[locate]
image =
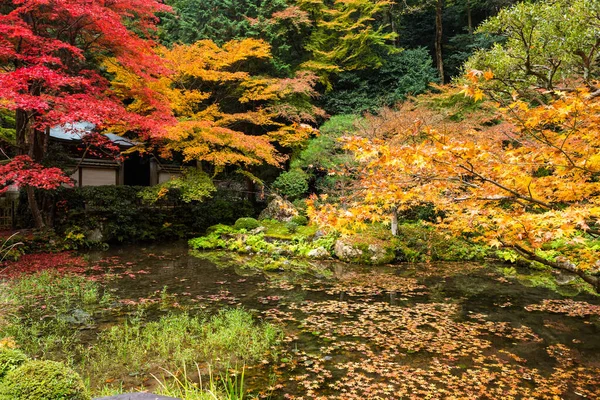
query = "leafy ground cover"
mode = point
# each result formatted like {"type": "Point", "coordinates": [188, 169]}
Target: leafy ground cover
{"type": "Point", "coordinates": [277, 241]}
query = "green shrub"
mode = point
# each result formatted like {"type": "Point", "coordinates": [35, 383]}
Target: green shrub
{"type": "Point", "coordinates": [210, 242]}
{"type": "Point", "coordinates": [300, 220]}
{"type": "Point", "coordinates": [301, 205]}
{"type": "Point", "coordinates": [292, 184]}
{"type": "Point", "coordinates": [402, 74]}
{"type": "Point", "coordinates": [43, 380]}
{"type": "Point", "coordinates": [220, 229]}
{"type": "Point", "coordinates": [292, 227]}
{"type": "Point", "coordinates": [10, 359]}
{"type": "Point", "coordinates": [246, 223]}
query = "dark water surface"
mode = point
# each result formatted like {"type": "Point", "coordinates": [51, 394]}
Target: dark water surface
{"type": "Point", "coordinates": [418, 331]}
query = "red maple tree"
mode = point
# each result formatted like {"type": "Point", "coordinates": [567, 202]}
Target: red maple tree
{"type": "Point", "coordinates": [51, 55]}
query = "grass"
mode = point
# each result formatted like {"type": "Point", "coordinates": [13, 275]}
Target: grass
{"type": "Point", "coordinates": [223, 387]}
{"type": "Point", "coordinates": [43, 312]}
{"type": "Point", "coordinates": [139, 349]}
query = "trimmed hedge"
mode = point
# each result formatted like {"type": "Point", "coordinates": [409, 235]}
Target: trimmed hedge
{"type": "Point", "coordinates": [121, 215]}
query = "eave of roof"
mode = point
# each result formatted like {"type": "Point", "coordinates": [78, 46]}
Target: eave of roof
{"type": "Point", "coordinates": [75, 131]}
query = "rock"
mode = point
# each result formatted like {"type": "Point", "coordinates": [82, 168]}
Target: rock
{"type": "Point", "coordinates": [137, 396]}
{"type": "Point", "coordinates": [279, 209]}
{"type": "Point", "coordinates": [94, 235]}
{"type": "Point", "coordinates": [565, 278]}
{"type": "Point", "coordinates": [318, 234]}
{"type": "Point", "coordinates": [258, 230]}
{"type": "Point", "coordinates": [346, 252]}
{"type": "Point", "coordinates": [77, 316]}
{"type": "Point", "coordinates": [364, 250]}
{"type": "Point", "coordinates": [319, 252]}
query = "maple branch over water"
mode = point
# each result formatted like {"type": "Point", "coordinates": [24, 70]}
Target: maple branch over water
{"type": "Point", "coordinates": [562, 265]}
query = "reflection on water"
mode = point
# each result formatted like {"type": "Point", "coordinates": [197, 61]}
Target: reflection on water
{"type": "Point", "coordinates": [410, 331]}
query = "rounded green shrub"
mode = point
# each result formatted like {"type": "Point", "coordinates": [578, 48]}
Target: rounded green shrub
{"type": "Point", "coordinates": [292, 184]}
{"type": "Point", "coordinates": [10, 359]}
{"type": "Point", "coordinates": [292, 227]}
{"type": "Point", "coordinates": [246, 223]}
{"type": "Point", "coordinates": [43, 380]}
{"type": "Point", "coordinates": [300, 220]}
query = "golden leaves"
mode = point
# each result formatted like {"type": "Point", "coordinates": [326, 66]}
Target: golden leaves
{"type": "Point", "coordinates": [531, 179]}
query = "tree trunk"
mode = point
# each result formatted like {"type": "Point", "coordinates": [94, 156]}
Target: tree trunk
{"type": "Point", "coordinates": [32, 143]}
{"type": "Point", "coordinates": [469, 17]}
{"type": "Point", "coordinates": [438, 39]}
{"type": "Point", "coordinates": [395, 221]}
{"type": "Point", "coordinates": [35, 210]}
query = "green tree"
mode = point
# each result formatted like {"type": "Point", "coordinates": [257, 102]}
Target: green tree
{"type": "Point", "coordinates": [406, 73]}
{"type": "Point", "coordinates": [548, 44]}
{"type": "Point", "coordinates": [347, 35]}
{"type": "Point", "coordinates": [217, 20]}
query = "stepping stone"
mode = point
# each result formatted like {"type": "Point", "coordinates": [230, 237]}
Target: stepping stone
{"type": "Point", "coordinates": [137, 396]}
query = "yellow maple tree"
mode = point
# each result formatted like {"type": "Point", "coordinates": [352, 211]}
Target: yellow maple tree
{"type": "Point", "coordinates": [521, 178]}
{"type": "Point", "coordinates": [227, 112]}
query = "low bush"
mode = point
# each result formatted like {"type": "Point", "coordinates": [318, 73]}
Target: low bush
{"type": "Point", "coordinates": [10, 359]}
{"type": "Point", "coordinates": [292, 184]}
{"type": "Point", "coordinates": [300, 220]}
{"type": "Point", "coordinates": [292, 227]}
{"type": "Point", "coordinates": [43, 380]}
{"type": "Point", "coordinates": [246, 223]}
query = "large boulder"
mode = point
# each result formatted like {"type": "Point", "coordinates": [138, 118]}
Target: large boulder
{"type": "Point", "coordinates": [362, 250]}
{"type": "Point", "coordinates": [279, 209]}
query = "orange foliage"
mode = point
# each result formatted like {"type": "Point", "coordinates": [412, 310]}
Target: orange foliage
{"type": "Point", "coordinates": [227, 115]}
{"type": "Point", "coordinates": [524, 178]}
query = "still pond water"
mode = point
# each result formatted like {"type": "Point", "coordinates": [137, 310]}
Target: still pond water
{"type": "Point", "coordinates": [411, 331]}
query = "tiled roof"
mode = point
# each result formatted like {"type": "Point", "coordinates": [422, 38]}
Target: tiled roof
{"type": "Point", "coordinates": [76, 130]}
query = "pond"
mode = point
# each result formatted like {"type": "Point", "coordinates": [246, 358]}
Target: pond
{"type": "Point", "coordinates": [415, 331]}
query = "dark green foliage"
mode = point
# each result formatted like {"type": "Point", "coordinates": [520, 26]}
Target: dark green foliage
{"type": "Point", "coordinates": [292, 184]}
{"type": "Point", "coordinates": [10, 359]}
{"type": "Point", "coordinates": [292, 227]}
{"type": "Point", "coordinates": [217, 20]}
{"type": "Point", "coordinates": [7, 127]}
{"type": "Point", "coordinates": [463, 46]}
{"type": "Point", "coordinates": [246, 223]}
{"type": "Point", "coordinates": [121, 215]}
{"type": "Point", "coordinates": [300, 220]}
{"type": "Point", "coordinates": [43, 380]}
{"type": "Point", "coordinates": [418, 243]}
{"type": "Point", "coordinates": [406, 73]}
{"type": "Point", "coordinates": [324, 154]}
{"type": "Point", "coordinates": [421, 212]}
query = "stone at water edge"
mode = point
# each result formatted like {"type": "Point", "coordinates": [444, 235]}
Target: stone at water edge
{"type": "Point", "coordinates": [318, 253]}
{"type": "Point", "coordinates": [137, 396]}
{"type": "Point", "coordinates": [279, 209]}
{"type": "Point", "coordinates": [345, 251]}
{"type": "Point", "coordinates": [350, 249]}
